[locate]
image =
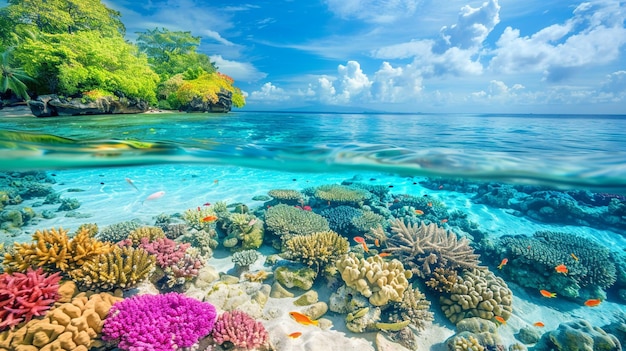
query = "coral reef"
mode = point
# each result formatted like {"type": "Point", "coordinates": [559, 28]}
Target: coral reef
{"type": "Point", "coordinates": [121, 268]}
{"type": "Point", "coordinates": [177, 263]}
{"type": "Point", "coordinates": [413, 307]}
{"type": "Point", "coordinates": [145, 232]}
{"type": "Point", "coordinates": [475, 334]}
{"type": "Point", "coordinates": [26, 295]}
{"type": "Point", "coordinates": [316, 250]}
{"type": "Point", "coordinates": [285, 221]}
{"type": "Point", "coordinates": [54, 251]}
{"type": "Point", "coordinates": [71, 326]}
{"type": "Point", "coordinates": [368, 220]}
{"type": "Point", "coordinates": [477, 293]}
{"type": "Point", "coordinates": [577, 335]}
{"type": "Point", "coordinates": [379, 280]}
{"type": "Point", "coordinates": [336, 194]}
{"type": "Point", "coordinates": [240, 330]}
{"type": "Point", "coordinates": [244, 259]}
{"type": "Point", "coordinates": [158, 322]}
{"type": "Point", "coordinates": [205, 241]}
{"type": "Point", "coordinates": [118, 231]}
{"type": "Point", "coordinates": [302, 277]}
{"type": "Point", "coordinates": [285, 196]}
{"type": "Point", "coordinates": [244, 231]}
{"type": "Point", "coordinates": [426, 247]}
{"type": "Point", "coordinates": [340, 218]}
{"type": "Point", "coordinates": [201, 218]}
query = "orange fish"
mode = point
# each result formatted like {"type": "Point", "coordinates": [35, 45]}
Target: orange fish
{"type": "Point", "coordinates": [561, 269]}
{"type": "Point", "coordinates": [500, 319]}
{"type": "Point", "coordinates": [430, 204]}
{"type": "Point", "coordinates": [546, 293]}
{"type": "Point", "coordinates": [539, 324]}
{"type": "Point", "coordinates": [592, 302]}
{"type": "Point", "coordinates": [365, 248]}
{"type": "Point", "coordinates": [209, 219]}
{"type": "Point", "coordinates": [445, 220]}
{"type": "Point", "coordinates": [419, 212]}
{"type": "Point", "coordinates": [359, 239]}
{"type": "Point", "coordinates": [503, 263]}
{"type": "Point", "coordinates": [384, 254]}
{"type": "Point", "coordinates": [574, 257]}
{"type": "Point", "coordinates": [302, 318]}
{"type": "Point", "coordinates": [376, 242]}
{"type": "Point", "coordinates": [295, 335]}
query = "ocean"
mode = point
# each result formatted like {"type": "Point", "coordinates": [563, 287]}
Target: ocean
{"type": "Point", "coordinates": [528, 193]}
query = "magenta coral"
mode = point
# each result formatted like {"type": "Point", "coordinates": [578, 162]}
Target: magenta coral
{"type": "Point", "coordinates": [26, 295]}
{"type": "Point", "coordinates": [167, 251]}
{"type": "Point", "coordinates": [241, 330]}
{"type": "Point", "coordinates": [158, 322]}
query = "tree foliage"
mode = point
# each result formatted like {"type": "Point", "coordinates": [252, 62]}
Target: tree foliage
{"type": "Point", "coordinates": [12, 78]}
{"type": "Point", "coordinates": [179, 91]}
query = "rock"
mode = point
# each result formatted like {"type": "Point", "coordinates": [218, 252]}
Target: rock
{"type": "Point", "coordinates": [52, 105]}
{"type": "Point", "coordinates": [528, 335]}
{"type": "Point", "coordinates": [385, 344]}
{"type": "Point", "coordinates": [308, 298]}
{"type": "Point", "coordinates": [302, 278]}
{"type": "Point", "coordinates": [224, 103]}
{"type": "Point", "coordinates": [316, 310]}
{"type": "Point", "coordinates": [278, 291]}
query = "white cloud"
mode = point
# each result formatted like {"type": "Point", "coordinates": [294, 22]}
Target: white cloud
{"type": "Point", "coordinates": [377, 11]}
{"type": "Point", "coordinates": [473, 25]}
{"type": "Point", "coordinates": [268, 93]}
{"type": "Point", "coordinates": [239, 71]}
{"type": "Point", "coordinates": [396, 84]}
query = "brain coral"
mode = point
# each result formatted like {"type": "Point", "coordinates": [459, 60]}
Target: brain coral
{"type": "Point", "coordinates": [379, 280]}
{"type": "Point", "coordinates": [477, 293]}
{"type": "Point", "coordinates": [286, 221]}
{"type": "Point", "coordinates": [317, 249]}
{"type": "Point", "coordinates": [577, 335]}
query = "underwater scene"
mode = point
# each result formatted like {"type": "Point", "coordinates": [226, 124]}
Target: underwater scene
{"type": "Point", "coordinates": [312, 231]}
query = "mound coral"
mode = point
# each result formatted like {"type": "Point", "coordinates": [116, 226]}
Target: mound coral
{"type": "Point", "coordinates": [286, 221]}
{"type": "Point", "coordinates": [477, 293]}
{"type": "Point", "coordinates": [379, 280]}
{"type": "Point", "coordinates": [158, 322]}
{"type": "Point", "coordinates": [578, 335]}
{"type": "Point", "coordinates": [341, 195]}
{"type": "Point", "coordinates": [24, 296]}
{"type": "Point", "coordinates": [240, 330]}
{"type": "Point", "coordinates": [426, 247]}
{"type": "Point", "coordinates": [54, 251]}
{"type": "Point", "coordinates": [316, 250]}
{"type": "Point", "coordinates": [71, 326]}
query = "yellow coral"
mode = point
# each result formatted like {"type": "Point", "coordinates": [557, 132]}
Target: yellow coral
{"type": "Point", "coordinates": [256, 277]}
{"type": "Point", "coordinates": [316, 249]}
{"type": "Point", "coordinates": [150, 233]}
{"type": "Point", "coordinates": [55, 251]}
{"type": "Point", "coordinates": [197, 218]}
{"type": "Point", "coordinates": [379, 280]}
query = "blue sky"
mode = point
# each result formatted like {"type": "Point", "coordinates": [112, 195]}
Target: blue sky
{"type": "Point", "coordinates": [531, 56]}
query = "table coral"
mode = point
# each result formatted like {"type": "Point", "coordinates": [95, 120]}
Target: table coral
{"type": "Point", "coordinates": [72, 326]}
{"type": "Point", "coordinates": [240, 330]}
{"type": "Point", "coordinates": [341, 195]}
{"type": "Point", "coordinates": [158, 322]}
{"type": "Point", "coordinates": [286, 196]}
{"type": "Point", "coordinates": [379, 280]}
{"type": "Point", "coordinates": [477, 293]}
{"type": "Point", "coordinates": [316, 250]}
{"type": "Point", "coordinates": [24, 296]}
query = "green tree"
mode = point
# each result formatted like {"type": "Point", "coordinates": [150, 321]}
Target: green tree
{"type": "Point", "coordinates": [206, 86]}
{"type": "Point", "coordinates": [13, 78]}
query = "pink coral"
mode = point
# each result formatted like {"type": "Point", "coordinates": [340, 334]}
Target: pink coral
{"type": "Point", "coordinates": [167, 251]}
{"type": "Point", "coordinates": [26, 295]}
{"type": "Point", "coordinates": [241, 330]}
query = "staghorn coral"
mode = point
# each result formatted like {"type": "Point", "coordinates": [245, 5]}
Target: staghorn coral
{"type": "Point", "coordinates": [341, 195]}
{"type": "Point", "coordinates": [379, 280]}
{"type": "Point", "coordinates": [426, 247]}
{"type": "Point", "coordinates": [316, 250]}
{"type": "Point", "coordinates": [240, 330]}
{"type": "Point", "coordinates": [71, 326]}
{"type": "Point", "coordinates": [158, 322]}
{"type": "Point", "coordinates": [286, 221]}
{"type": "Point", "coordinates": [54, 251]}
{"type": "Point", "coordinates": [244, 231]}
{"type": "Point", "coordinates": [118, 231]}
{"type": "Point", "coordinates": [413, 307]}
{"type": "Point", "coordinates": [477, 293]}
{"type": "Point", "coordinates": [146, 232]}
{"type": "Point", "coordinates": [24, 296]}
{"type": "Point", "coordinates": [377, 233]}
{"type": "Point", "coordinates": [121, 268]}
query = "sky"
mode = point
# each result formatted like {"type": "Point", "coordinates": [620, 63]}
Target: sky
{"type": "Point", "coordinates": [494, 56]}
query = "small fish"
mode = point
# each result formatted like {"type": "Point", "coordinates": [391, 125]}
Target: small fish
{"type": "Point", "coordinates": [365, 248]}
{"type": "Point", "coordinates": [206, 204]}
{"type": "Point", "coordinates": [155, 196]}
{"type": "Point", "coordinates": [328, 202]}
{"type": "Point", "coordinates": [199, 209]}
{"type": "Point", "coordinates": [546, 293]}
{"type": "Point", "coordinates": [295, 335]}
{"type": "Point", "coordinates": [252, 222]}
{"type": "Point", "coordinates": [209, 219]}
{"type": "Point", "coordinates": [303, 319]}
{"type": "Point", "coordinates": [500, 319]}
{"type": "Point", "coordinates": [307, 208]}
{"type": "Point", "coordinates": [539, 324]}
{"type": "Point", "coordinates": [376, 242]}
{"type": "Point", "coordinates": [574, 257]}
{"type": "Point", "coordinates": [216, 181]}
{"type": "Point", "coordinates": [384, 254]}
{"type": "Point", "coordinates": [430, 204]}
{"type": "Point", "coordinates": [419, 212]}
{"type": "Point", "coordinates": [129, 181]}
{"type": "Point", "coordinates": [503, 263]}
{"type": "Point", "coordinates": [592, 302]}
{"type": "Point", "coordinates": [561, 269]}
{"type": "Point", "coordinates": [445, 220]}
{"type": "Point", "coordinates": [440, 187]}
{"type": "Point", "coordinates": [359, 239]}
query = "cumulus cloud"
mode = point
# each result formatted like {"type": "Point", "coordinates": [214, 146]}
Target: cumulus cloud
{"type": "Point", "coordinates": [268, 93]}
{"type": "Point", "coordinates": [396, 84]}
{"type": "Point", "coordinates": [239, 71]}
{"type": "Point", "coordinates": [593, 36]}
{"type": "Point", "coordinates": [377, 11]}
{"type": "Point", "coordinates": [473, 26]}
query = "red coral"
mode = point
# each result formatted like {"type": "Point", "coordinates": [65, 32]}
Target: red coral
{"type": "Point", "coordinates": [24, 296]}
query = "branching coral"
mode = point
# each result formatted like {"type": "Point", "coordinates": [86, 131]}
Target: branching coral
{"type": "Point", "coordinates": [340, 218]}
{"type": "Point", "coordinates": [24, 296]}
{"type": "Point", "coordinates": [53, 250]}
{"type": "Point", "coordinates": [243, 231]}
{"type": "Point", "coordinates": [477, 293]}
{"type": "Point", "coordinates": [158, 322]}
{"type": "Point", "coordinates": [442, 279]}
{"type": "Point", "coordinates": [240, 330]}
{"type": "Point", "coordinates": [426, 247]}
{"type": "Point", "coordinates": [316, 250]}
{"type": "Point", "coordinates": [177, 262]}
{"type": "Point", "coordinates": [341, 195]}
{"type": "Point", "coordinates": [286, 221]}
{"type": "Point", "coordinates": [413, 307]}
{"type": "Point", "coordinates": [121, 268]}
{"type": "Point", "coordinates": [118, 231]}
{"type": "Point", "coordinates": [149, 233]}
{"type": "Point", "coordinates": [244, 258]}
{"type": "Point", "coordinates": [201, 218]}
{"type": "Point", "coordinates": [379, 280]}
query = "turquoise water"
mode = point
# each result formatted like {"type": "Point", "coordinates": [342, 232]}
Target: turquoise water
{"type": "Point", "coordinates": [486, 178]}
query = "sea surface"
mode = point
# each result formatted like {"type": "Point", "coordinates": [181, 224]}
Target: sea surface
{"type": "Point", "coordinates": [112, 164]}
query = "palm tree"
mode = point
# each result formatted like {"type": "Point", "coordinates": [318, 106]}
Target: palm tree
{"type": "Point", "coordinates": [12, 78]}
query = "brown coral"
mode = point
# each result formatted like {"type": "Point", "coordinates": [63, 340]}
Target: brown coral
{"type": "Point", "coordinates": [425, 247]}
{"type": "Point", "coordinates": [54, 251]}
{"type": "Point", "coordinates": [317, 249]}
{"type": "Point", "coordinates": [442, 279]}
{"type": "Point", "coordinates": [413, 307]}
{"type": "Point", "coordinates": [150, 233]}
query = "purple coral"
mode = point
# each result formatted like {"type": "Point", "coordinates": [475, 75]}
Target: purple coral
{"type": "Point", "coordinates": [26, 295]}
{"type": "Point", "coordinates": [158, 322]}
{"type": "Point", "coordinates": [241, 330]}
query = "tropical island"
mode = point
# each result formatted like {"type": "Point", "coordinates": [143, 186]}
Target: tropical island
{"type": "Point", "coordinates": [69, 58]}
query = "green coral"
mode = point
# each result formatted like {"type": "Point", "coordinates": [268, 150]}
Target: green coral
{"type": "Point", "coordinates": [337, 194]}
{"type": "Point", "coordinates": [201, 218]}
{"type": "Point", "coordinates": [475, 334]}
{"type": "Point", "coordinates": [147, 232]}
{"type": "Point", "coordinates": [204, 241]}
{"type": "Point", "coordinates": [286, 196]}
{"type": "Point", "coordinates": [244, 259]}
{"type": "Point", "coordinates": [293, 277]}
{"type": "Point", "coordinates": [316, 250]}
{"type": "Point", "coordinates": [285, 221]}
{"type": "Point", "coordinates": [379, 280]}
{"type": "Point", "coordinates": [118, 231]}
{"type": "Point", "coordinates": [367, 221]}
{"type": "Point", "coordinates": [244, 231]}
